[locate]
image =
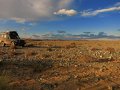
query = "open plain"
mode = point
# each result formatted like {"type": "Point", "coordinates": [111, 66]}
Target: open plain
{"type": "Point", "coordinates": [61, 65]}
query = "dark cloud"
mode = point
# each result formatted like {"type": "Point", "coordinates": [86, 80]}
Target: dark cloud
{"type": "Point", "coordinates": [61, 31]}
{"type": "Point", "coordinates": [118, 30]}
{"type": "Point", "coordinates": [31, 10]}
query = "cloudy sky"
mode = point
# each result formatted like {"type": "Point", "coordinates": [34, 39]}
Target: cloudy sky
{"type": "Point", "coordinates": [34, 17]}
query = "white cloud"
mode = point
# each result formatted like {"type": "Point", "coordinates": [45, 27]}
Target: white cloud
{"type": "Point", "coordinates": [96, 12]}
{"type": "Point", "coordinates": [89, 12]}
{"type": "Point", "coordinates": [117, 4]}
{"type": "Point", "coordinates": [19, 20]}
{"type": "Point", "coordinates": [31, 10]}
{"type": "Point", "coordinates": [70, 12]}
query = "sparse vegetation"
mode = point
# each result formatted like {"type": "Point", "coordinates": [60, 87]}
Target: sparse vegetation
{"type": "Point", "coordinates": [72, 45]}
{"type": "Point", "coordinates": [45, 55]}
{"type": "Point", "coordinates": [111, 50]}
{"type": "Point", "coordinates": [59, 65]}
{"type": "Point", "coordinates": [4, 83]}
{"type": "Point", "coordinates": [29, 53]}
{"type": "Point", "coordinates": [49, 49]}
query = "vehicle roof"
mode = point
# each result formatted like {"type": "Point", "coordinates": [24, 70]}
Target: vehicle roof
{"type": "Point", "coordinates": [7, 32]}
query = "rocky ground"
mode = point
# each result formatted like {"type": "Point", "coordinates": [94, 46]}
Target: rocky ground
{"type": "Point", "coordinates": [61, 65]}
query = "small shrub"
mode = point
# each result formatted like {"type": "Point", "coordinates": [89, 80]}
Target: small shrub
{"type": "Point", "coordinates": [29, 45]}
{"type": "Point", "coordinates": [39, 66]}
{"type": "Point", "coordinates": [111, 50]}
{"type": "Point", "coordinates": [1, 52]}
{"type": "Point", "coordinates": [13, 47]}
{"type": "Point", "coordinates": [39, 43]}
{"type": "Point", "coordinates": [47, 86]}
{"type": "Point", "coordinates": [72, 45]}
{"type": "Point", "coordinates": [106, 60]}
{"type": "Point", "coordinates": [86, 58]}
{"type": "Point", "coordinates": [49, 49]}
{"type": "Point", "coordinates": [56, 46]}
{"type": "Point", "coordinates": [4, 85]}
{"type": "Point", "coordinates": [12, 53]}
{"type": "Point", "coordinates": [45, 55]}
{"type": "Point", "coordinates": [59, 56]}
{"type": "Point", "coordinates": [95, 49]}
{"type": "Point", "coordinates": [29, 53]}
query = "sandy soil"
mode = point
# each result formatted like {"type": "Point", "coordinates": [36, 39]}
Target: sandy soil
{"type": "Point", "coordinates": [61, 65]}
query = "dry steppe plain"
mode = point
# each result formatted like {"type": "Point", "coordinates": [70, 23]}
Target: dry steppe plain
{"type": "Point", "coordinates": [61, 65]}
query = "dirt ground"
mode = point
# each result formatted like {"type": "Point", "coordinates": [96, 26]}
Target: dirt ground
{"type": "Point", "coordinates": [61, 65]}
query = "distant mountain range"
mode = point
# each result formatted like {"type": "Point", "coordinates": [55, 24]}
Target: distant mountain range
{"type": "Point", "coordinates": [85, 35]}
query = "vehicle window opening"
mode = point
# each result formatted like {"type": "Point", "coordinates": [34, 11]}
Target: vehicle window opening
{"type": "Point", "coordinates": [14, 35]}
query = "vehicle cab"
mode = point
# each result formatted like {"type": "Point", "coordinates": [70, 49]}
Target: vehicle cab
{"type": "Point", "coordinates": [11, 38]}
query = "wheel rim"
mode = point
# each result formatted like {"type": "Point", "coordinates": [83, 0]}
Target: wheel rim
{"type": "Point", "coordinates": [2, 44]}
{"type": "Point", "coordinates": [13, 44]}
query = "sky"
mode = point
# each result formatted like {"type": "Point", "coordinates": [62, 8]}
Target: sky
{"type": "Point", "coordinates": [41, 17]}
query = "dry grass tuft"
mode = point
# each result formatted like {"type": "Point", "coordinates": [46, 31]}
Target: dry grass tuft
{"type": "Point", "coordinates": [72, 45]}
{"type": "Point", "coordinates": [95, 49]}
{"type": "Point", "coordinates": [111, 50]}
{"type": "Point", "coordinates": [29, 45]}
{"type": "Point", "coordinates": [12, 53]}
{"type": "Point", "coordinates": [85, 58]}
{"type": "Point", "coordinates": [29, 53]}
{"type": "Point", "coordinates": [13, 47]}
{"type": "Point", "coordinates": [45, 55]}
{"type": "Point", "coordinates": [4, 85]}
{"type": "Point", "coordinates": [49, 49]}
{"type": "Point", "coordinates": [59, 56]}
{"type": "Point", "coordinates": [2, 52]}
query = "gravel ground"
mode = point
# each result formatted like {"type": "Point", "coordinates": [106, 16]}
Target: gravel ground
{"type": "Point", "coordinates": [62, 65]}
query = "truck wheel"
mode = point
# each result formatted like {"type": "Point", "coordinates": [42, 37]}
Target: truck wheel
{"type": "Point", "coordinates": [23, 45]}
{"type": "Point", "coordinates": [2, 44]}
{"type": "Point", "coordinates": [13, 44]}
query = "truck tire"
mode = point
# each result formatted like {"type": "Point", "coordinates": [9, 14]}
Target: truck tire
{"type": "Point", "coordinates": [2, 44]}
{"type": "Point", "coordinates": [23, 45]}
{"type": "Point", "coordinates": [13, 44]}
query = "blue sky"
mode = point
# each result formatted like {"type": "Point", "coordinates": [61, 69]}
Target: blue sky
{"type": "Point", "coordinates": [38, 17]}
